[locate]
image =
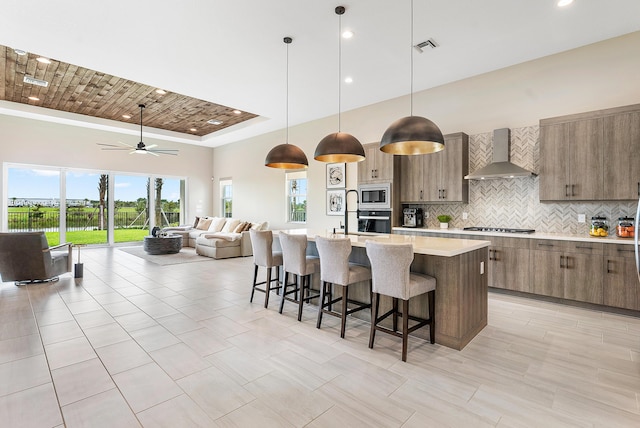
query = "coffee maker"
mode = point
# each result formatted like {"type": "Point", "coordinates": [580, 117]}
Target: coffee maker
{"type": "Point", "coordinates": [412, 217]}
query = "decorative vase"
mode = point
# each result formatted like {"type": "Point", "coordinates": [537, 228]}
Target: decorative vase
{"type": "Point", "coordinates": [444, 225]}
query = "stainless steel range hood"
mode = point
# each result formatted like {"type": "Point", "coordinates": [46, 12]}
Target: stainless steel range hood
{"type": "Point", "coordinates": [500, 167]}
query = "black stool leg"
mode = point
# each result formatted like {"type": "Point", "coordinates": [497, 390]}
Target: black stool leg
{"type": "Point", "coordinates": [375, 300]}
{"type": "Point", "coordinates": [255, 277]}
{"type": "Point", "coordinates": [301, 295]}
{"type": "Point", "coordinates": [345, 298]}
{"type": "Point", "coordinates": [395, 314]}
{"type": "Point", "coordinates": [432, 314]}
{"type": "Point", "coordinates": [267, 288]}
{"type": "Point", "coordinates": [321, 305]}
{"type": "Point", "coordinates": [284, 291]}
{"type": "Point", "coordinates": [405, 328]}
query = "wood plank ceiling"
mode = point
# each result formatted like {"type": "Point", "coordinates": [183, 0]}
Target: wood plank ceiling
{"type": "Point", "coordinates": [76, 89]}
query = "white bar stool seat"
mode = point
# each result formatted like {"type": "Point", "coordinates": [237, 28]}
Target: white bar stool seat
{"type": "Point", "coordinates": [298, 263]}
{"type": "Point", "coordinates": [263, 255]}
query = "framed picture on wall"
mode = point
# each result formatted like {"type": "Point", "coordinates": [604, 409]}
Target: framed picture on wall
{"type": "Point", "coordinates": [335, 202]}
{"type": "Point", "coordinates": [336, 175]}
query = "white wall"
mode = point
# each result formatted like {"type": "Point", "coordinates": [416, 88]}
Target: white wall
{"type": "Point", "coordinates": [34, 142]}
{"type": "Point", "coordinates": [597, 76]}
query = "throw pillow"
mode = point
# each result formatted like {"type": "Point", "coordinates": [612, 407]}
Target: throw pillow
{"type": "Point", "coordinates": [217, 224]}
{"type": "Point", "coordinates": [230, 225]}
{"type": "Point", "coordinates": [203, 223]}
{"type": "Point", "coordinates": [240, 227]}
{"type": "Point", "coordinates": [247, 226]}
{"type": "Point", "coordinates": [195, 224]}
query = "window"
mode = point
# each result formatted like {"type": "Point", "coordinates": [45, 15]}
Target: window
{"type": "Point", "coordinates": [296, 197]}
{"type": "Point", "coordinates": [226, 196]}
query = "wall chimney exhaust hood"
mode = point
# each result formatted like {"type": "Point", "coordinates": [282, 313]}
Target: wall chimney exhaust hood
{"type": "Point", "coordinates": [500, 167]}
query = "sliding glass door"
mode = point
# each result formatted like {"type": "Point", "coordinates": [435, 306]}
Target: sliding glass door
{"type": "Point", "coordinates": [90, 207]}
{"type": "Point", "coordinates": [86, 203]}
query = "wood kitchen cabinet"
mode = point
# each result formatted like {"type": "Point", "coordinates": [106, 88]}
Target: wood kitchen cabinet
{"type": "Point", "coordinates": [566, 269]}
{"type": "Point", "coordinates": [591, 156]}
{"type": "Point", "coordinates": [509, 264]}
{"type": "Point", "coordinates": [437, 177]}
{"type": "Point", "coordinates": [621, 288]}
{"type": "Point", "coordinates": [377, 166]}
{"type": "Point", "coordinates": [622, 168]}
{"type": "Point", "coordinates": [571, 160]}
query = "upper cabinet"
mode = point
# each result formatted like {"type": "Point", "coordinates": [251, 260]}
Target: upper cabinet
{"type": "Point", "coordinates": [377, 166]}
{"type": "Point", "coordinates": [591, 156]}
{"type": "Point", "coordinates": [437, 177]}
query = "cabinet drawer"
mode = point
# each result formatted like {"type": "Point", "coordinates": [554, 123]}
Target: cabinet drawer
{"type": "Point", "coordinates": [586, 248]}
{"type": "Point", "coordinates": [500, 241]}
{"type": "Point", "coordinates": [619, 250]}
{"type": "Point", "coordinates": [549, 245]}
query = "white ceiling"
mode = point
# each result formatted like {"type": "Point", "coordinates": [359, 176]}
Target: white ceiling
{"type": "Point", "coordinates": [232, 53]}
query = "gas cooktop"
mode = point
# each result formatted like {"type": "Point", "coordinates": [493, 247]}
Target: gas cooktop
{"type": "Point", "coordinates": [498, 229]}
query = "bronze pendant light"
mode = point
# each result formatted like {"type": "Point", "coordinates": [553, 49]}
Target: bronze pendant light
{"type": "Point", "coordinates": [339, 146]}
{"type": "Point", "coordinates": [412, 135]}
{"type": "Point", "coordinates": [286, 156]}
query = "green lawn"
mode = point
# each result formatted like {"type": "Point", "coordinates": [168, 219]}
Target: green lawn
{"type": "Point", "coordinates": [98, 236]}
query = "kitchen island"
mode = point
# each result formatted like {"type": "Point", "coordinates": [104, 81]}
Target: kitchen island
{"type": "Point", "coordinates": [459, 268]}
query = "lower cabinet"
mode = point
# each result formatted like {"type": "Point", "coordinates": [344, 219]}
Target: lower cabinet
{"type": "Point", "coordinates": [509, 264]}
{"type": "Point", "coordinates": [621, 288]}
{"type": "Point", "coordinates": [566, 269]}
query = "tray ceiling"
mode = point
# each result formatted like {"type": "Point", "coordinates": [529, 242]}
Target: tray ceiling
{"type": "Point", "coordinates": [79, 90]}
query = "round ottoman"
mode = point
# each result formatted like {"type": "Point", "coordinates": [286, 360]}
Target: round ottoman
{"type": "Point", "coordinates": [169, 244]}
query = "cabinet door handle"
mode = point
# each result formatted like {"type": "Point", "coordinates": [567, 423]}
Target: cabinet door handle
{"type": "Point", "coordinates": [495, 255]}
{"type": "Point", "coordinates": [567, 260]}
{"type": "Point", "coordinates": [609, 270]}
{"type": "Point", "coordinates": [545, 245]}
{"type": "Point", "coordinates": [444, 193]}
{"type": "Point", "coordinates": [584, 248]}
{"type": "Point", "coordinates": [561, 259]}
{"type": "Point", "coordinates": [566, 190]}
{"type": "Point", "coordinates": [376, 172]}
{"type": "Point", "coordinates": [573, 190]}
{"type": "Point", "coordinates": [620, 250]}
{"type": "Point", "coordinates": [490, 256]}
{"type": "Point", "coordinates": [421, 195]}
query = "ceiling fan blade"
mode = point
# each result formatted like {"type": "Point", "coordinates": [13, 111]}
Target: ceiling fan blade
{"type": "Point", "coordinates": [164, 152]}
{"type": "Point", "coordinates": [150, 146]}
{"type": "Point", "coordinates": [151, 153]}
{"type": "Point", "coordinates": [116, 148]}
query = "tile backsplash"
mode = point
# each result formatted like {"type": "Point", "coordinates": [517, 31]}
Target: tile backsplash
{"type": "Point", "coordinates": [514, 202]}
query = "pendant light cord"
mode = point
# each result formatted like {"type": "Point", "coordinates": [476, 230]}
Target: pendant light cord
{"type": "Point", "coordinates": [287, 100]}
{"type": "Point", "coordinates": [339, 69]}
{"type": "Point", "coordinates": [411, 68]}
{"type": "Point", "coordinates": [141, 107]}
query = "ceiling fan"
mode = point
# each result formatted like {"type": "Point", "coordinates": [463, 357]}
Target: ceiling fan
{"type": "Point", "coordinates": [141, 148]}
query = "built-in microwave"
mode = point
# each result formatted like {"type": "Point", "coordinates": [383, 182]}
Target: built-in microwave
{"type": "Point", "coordinates": [375, 196]}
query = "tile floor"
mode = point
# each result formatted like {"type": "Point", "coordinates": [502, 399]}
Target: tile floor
{"type": "Point", "coordinates": [138, 344]}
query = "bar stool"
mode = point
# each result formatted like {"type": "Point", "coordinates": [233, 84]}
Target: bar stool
{"type": "Point", "coordinates": [263, 255]}
{"type": "Point", "coordinates": [297, 263]}
{"type": "Point", "coordinates": [335, 269]}
{"type": "Point", "coordinates": [390, 264]}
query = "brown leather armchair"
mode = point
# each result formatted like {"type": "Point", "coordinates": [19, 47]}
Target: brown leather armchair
{"type": "Point", "coordinates": [26, 257]}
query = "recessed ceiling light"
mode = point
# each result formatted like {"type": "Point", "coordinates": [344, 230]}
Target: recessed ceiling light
{"type": "Point", "coordinates": [347, 34]}
{"type": "Point", "coordinates": [237, 112]}
{"type": "Point", "coordinates": [161, 91]}
{"type": "Point", "coordinates": [20, 52]}
{"type": "Point", "coordinates": [43, 60]}
{"type": "Point", "coordinates": [563, 3]}
{"type": "Point", "coordinates": [214, 122]}
{"type": "Point", "coordinates": [126, 116]}
{"type": "Point", "coordinates": [192, 129]}
{"type": "Point", "coordinates": [348, 79]}
{"type": "Point", "coordinates": [34, 98]}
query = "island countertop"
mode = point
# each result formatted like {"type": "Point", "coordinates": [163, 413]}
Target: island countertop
{"type": "Point", "coordinates": [430, 246]}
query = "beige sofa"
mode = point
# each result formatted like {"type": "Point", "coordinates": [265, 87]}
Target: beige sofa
{"type": "Point", "coordinates": [218, 237]}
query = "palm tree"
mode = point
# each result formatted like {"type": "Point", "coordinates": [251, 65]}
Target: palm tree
{"type": "Point", "coordinates": [158, 204]}
{"type": "Point", "coordinates": [103, 185]}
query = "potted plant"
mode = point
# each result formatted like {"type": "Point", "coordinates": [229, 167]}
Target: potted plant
{"type": "Point", "coordinates": [444, 220]}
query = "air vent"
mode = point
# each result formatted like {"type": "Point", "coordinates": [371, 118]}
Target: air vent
{"type": "Point", "coordinates": [426, 44]}
{"type": "Point", "coordinates": [34, 81]}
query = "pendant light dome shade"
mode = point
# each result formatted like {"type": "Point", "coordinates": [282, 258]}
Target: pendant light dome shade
{"type": "Point", "coordinates": [286, 156]}
{"type": "Point", "coordinates": [412, 135]}
{"type": "Point", "coordinates": [339, 147]}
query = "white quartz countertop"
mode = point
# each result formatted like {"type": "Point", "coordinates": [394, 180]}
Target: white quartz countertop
{"type": "Point", "coordinates": [431, 246]}
{"type": "Point", "coordinates": [536, 235]}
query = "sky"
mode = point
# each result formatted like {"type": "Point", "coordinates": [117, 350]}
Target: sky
{"type": "Point", "coordinates": [43, 183]}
